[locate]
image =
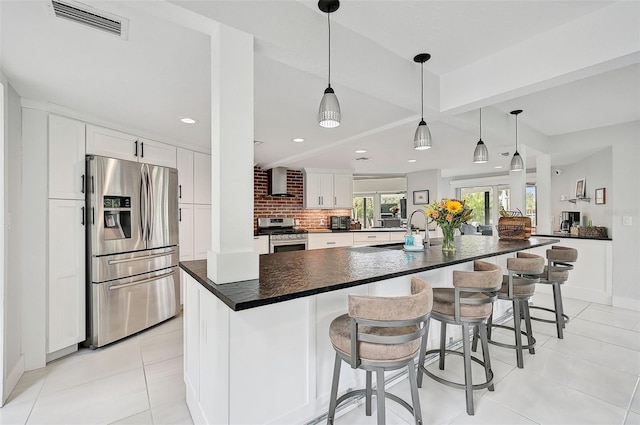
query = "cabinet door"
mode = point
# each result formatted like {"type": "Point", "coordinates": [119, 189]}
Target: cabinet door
{"type": "Point", "coordinates": [66, 158]}
{"type": "Point", "coordinates": [326, 191]}
{"type": "Point", "coordinates": [185, 223]}
{"type": "Point", "coordinates": [343, 191]}
{"type": "Point", "coordinates": [156, 153]}
{"type": "Point", "coordinates": [329, 240]}
{"type": "Point", "coordinates": [201, 178]}
{"type": "Point", "coordinates": [66, 313]}
{"type": "Point", "coordinates": [202, 231]}
{"type": "Point", "coordinates": [370, 238]}
{"type": "Point", "coordinates": [261, 244]}
{"type": "Point", "coordinates": [184, 162]}
{"type": "Point", "coordinates": [111, 143]}
{"type": "Point", "coordinates": [312, 190]}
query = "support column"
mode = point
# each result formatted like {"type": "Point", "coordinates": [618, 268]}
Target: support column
{"type": "Point", "coordinates": [231, 257]}
{"type": "Point", "coordinates": [543, 194]}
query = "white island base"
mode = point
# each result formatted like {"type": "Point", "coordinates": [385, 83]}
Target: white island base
{"type": "Point", "coordinates": [273, 364]}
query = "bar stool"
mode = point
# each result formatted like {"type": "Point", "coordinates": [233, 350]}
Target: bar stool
{"type": "Point", "coordinates": [556, 272]}
{"type": "Point", "coordinates": [380, 334]}
{"type": "Point", "coordinates": [468, 303]}
{"type": "Point", "coordinates": [518, 287]}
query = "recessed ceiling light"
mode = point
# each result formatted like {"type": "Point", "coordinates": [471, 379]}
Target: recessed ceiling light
{"type": "Point", "coordinates": [412, 160]}
{"type": "Point", "coordinates": [298, 140]}
{"type": "Point", "coordinates": [187, 120]}
{"type": "Point", "coordinates": [361, 151]}
{"type": "Point", "coordinates": [498, 166]}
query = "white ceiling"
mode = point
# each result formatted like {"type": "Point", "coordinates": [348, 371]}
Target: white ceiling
{"type": "Point", "coordinates": [162, 72]}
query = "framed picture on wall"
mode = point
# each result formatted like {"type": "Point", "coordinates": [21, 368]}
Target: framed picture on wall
{"type": "Point", "coordinates": [420, 197]}
{"type": "Point", "coordinates": [601, 196]}
{"type": "Point", "coordinates": [581, 188]}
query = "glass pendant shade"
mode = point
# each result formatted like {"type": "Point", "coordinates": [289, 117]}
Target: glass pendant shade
{"type": "Point", "coordinates": [481, 154]}
{"type": "Point", "coordinates": [329, 112]}
{"type": "Point", "coordinates": [422, 138]}
{"type": "Point", "coordinates": [516, 162]}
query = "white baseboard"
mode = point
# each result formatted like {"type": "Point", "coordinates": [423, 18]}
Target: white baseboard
{"type": "Point", "coordinates": [12, 379]}
{"type": "Point", "coordinates": [628, 303]}
{"type": "Point", "coordinates": [62, 352]}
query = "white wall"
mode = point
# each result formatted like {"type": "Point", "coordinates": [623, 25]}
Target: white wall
{"type": "Point", "coordinates": [597, 170]}
{"type": "Point", "coordinates": [623, 201]}
{"type": "Point", "coordinates": [13, 361]}
{"type": "Point", "coordinates": [424, 180]}
{"type": "Point", "coordinates": [393, 184]}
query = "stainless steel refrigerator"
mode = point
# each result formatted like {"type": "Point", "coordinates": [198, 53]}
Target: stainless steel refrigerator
{"type": "Point", "coordinates": [132, 247]}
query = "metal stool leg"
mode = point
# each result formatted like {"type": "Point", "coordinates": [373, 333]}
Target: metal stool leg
{"type": "Point", "coordinates": [443, 342]}
{"type": "Point", "coordinates": [557, 300]}
{"type": "Point", "coordinates": [380, 396]}
{"type": "Point", "coordinates": [368, 394]}
{"type": "Point", "coordinates": [334, 390]}
{"type": "Point", "coordinates": [517, 333]}
{"type": "Point", "coordinates": [485, 354]}
{"type": "Point", "coordinates": [468, 381]}
{"type": "Point", "coordinates": [527, 323]}
{"type": "Point", "coordinates": [415, 400]}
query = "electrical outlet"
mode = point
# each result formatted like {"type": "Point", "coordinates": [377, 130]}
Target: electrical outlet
{"type": "Point", "coordinates": [627, 220]}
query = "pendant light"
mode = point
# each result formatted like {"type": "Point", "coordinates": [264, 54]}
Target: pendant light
{"type": "Point", "coordinates": [481, 154]}
{"type": "Point", "coordinates": [422, 138]}
{"type": "Point", "coordinates": [516, 162]}
{"type": "Point", "coordinates": [329, 111]}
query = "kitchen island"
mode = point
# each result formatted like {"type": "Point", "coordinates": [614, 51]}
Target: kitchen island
{"type": "Point", "coordinates": [258, 351]}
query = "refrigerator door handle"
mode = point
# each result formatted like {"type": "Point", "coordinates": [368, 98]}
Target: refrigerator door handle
{"type": "Point", "coordinates": [152, 209]}
{"type": "Point", "coordinates": [143, 257]}
{"type": "Point", "coordinates": [138, 282]}
{"type": "Point", "coordinates": [143, 203]}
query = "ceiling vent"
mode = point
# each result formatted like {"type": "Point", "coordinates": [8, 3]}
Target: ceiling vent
{"type": "Point", "coordinates": [94, 18]}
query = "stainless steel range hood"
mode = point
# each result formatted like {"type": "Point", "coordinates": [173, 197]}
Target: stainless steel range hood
{"type": "Point", "coordinates": [278, 183]}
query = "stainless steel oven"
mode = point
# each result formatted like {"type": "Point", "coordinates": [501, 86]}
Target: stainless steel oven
{"type": "Point", "coordinates": [287, 242]}
{"type": "Point", "coordinates": [283, 236]}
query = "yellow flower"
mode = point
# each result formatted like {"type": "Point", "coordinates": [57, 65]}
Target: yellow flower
{"type": "Point", "coordinates": [429, 212]}
{"type": "Point", "coordinates": [453, 206]}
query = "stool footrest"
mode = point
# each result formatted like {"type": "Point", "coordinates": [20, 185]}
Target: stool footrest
{"type": "Point", "coordinates": [363, 393]}
{"type": "Point", "coordinates": [505, 345]}
{"type": "Point", "coordinates": [480, 386]}
{"type": "Point", "coordinates": [550, 310]}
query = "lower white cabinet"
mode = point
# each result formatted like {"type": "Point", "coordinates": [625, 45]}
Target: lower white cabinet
{"type": "Point", "coordinates": [202, 231]}
{"type": "Point", "coordinates": [185, 227]}
{"type": "Point", "coordinates": [261, 244]}
{"type": "Point", "coordinates": [370, 238]}
{"type": "Point", "coordinates": [66, 313]}
{"type": "Point", "coordinates": [329, 240]}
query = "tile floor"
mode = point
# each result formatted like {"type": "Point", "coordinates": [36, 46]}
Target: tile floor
{"type": "Point", "coordinates": [590, 377]}
{"type": "Point", "coordinates": [136, 381]}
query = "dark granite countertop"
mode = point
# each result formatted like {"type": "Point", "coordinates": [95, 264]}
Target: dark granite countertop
{"type": "Point", "coordinates": [296, 274]}
{"type": "Point", "coordinates": [570, 236]}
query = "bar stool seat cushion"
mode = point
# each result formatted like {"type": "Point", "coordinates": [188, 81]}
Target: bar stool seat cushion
{"type": "Point", "coordinates": [518, 290]}
{"type": "Point", "coordinates": [556, 275]}
{"type": "Point", "coordinates": [444, 304]}
{"type": "Point", "coordinates": [562, 253]}
{"type": "Point", "coordinates": [340, 335]}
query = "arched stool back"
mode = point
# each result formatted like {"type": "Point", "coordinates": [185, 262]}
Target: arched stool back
{"type": "Point", "coordinates": [468, 303]}
{"type": "Point", "coordinates": [380, 334]}
{"type": "Point", "coordinates": [518, 287]}
{"type": "Point", "coordinates": [556, 272]}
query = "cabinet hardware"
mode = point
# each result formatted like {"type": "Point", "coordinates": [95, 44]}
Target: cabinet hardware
{"type": "Point", "coordinates": [179, 214]}
{"type": "Point", "coordinates": [93, 215]}
{"type": "Point", "coordinates": [93, 186]}
{"type": "Point", "coordinates": [335, 200]}
{"type": "Point", "coordinates": [82, 188]}
{"type": "Point", "coordinates": [142, 149]}
{"type": "Point", "coordinates": [82, 221]}
{"type": "Point", "coordinates": [136, 151]}
{"type": "Point", "coordinates": [331, 243]}
{"type": "Point", "coordinates": [180, 191]}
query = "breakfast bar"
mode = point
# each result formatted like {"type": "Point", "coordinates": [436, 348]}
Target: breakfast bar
{"type": "Point", "coordinates": [258, 351]}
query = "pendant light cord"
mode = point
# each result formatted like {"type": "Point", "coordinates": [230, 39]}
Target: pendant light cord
{"type": "Point", "coordinates": [329, 24]}
{"type": "Point", "coordinates": [516, 133]}
{"type": "Point", "coordinates": [422, 90]}
{"type": "Point", "coordinates": [480, 123]}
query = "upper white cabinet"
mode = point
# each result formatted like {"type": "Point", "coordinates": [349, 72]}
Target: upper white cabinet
{"type": "Point", "coordinates": [327, 189]}
{"type": "Point", "coordinates": [184, 161]}
{"type": "Point", "coordinates": [114, 144]}
{"type": "Point", "coordinates": [201, 178]}
{"type": "Point", "coordinates": [66, 158]}
{"type": "Point", "coordinates": [185, 229]}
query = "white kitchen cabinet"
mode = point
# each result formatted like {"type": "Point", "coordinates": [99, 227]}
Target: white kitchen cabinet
{"type": "Point", "coordinates": [370, 238]}
{"type": "Point", "coordinates": [191, 334]}
{"type": "Point", "coordinates": [202, 231]}
{"type": "Point", "coordinates": [327, 189]}
{"type": "Point", "coordinates": [329, 240]}
{"type": "Point", "coordinates": [115, 144]}
{"type": "Point", "coordinates": [186, 230]}
{"type": "Point", "coordinates": [399, 236]}
{"type": "Point", "coordinates": [201, 178]}
{"type": "Point", "coordinates": [66, 312]}
{"type": "Point", "coordinates": [66, 158]}
{"type": "Point", "coordinates": [111, 143]}
{"type": "Point", "coordinates": [157, 153]}
{"type": "Point", "coordinates": [343, 190]}
{"type": "Point", "coordinates": [261, 244]}
{"type": "Point", "coordinates": [184, 162]}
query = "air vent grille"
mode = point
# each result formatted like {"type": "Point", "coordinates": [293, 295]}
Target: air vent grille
{"type": "Point", "coordinates": [86, 15]}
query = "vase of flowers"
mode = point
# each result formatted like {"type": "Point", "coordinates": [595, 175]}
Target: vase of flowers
{"type": "Point", "coordinates": [449, 214]}
{"type": "Point", "coordinates": [394, 210]}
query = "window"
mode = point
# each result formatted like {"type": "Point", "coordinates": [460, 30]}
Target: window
{"type": "Point", "coordinates": [480, 199]}
{"type": "Point", "coordinates": [363, 210]}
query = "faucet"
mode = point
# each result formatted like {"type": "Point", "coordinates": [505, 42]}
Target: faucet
{"type": "Point", "coordinates": [426, 226]}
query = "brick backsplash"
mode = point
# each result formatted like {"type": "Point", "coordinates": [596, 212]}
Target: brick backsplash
{"type": "Point", "coordinates": [266, 206]}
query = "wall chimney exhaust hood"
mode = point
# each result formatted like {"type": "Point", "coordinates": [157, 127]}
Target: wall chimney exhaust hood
{"type": "Point", "coordinates": [278, 183]}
